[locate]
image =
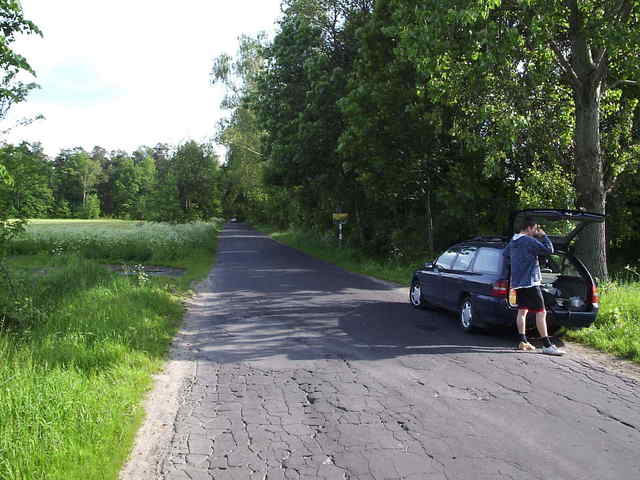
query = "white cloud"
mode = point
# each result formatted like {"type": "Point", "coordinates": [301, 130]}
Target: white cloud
{"type": "Point", "coordinates": [125, 73]}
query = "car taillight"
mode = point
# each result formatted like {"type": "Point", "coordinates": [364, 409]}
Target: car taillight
{"type": "Point", "coordinates": [595, 296]}
{"type": "Point", "coordinates": [513, 299]}
{"type": "Point", "coordinates": [500, 289]}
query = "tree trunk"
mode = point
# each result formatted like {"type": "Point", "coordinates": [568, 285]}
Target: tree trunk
{"type": "Point", "coordinates": [589, 183]}
{"type": "Point", "coordinates": [429, 219]}
{"type": "Point", "coordinates": [589, 72]}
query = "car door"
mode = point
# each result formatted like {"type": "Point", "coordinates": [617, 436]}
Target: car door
{"type": "Point", "coordinates": [443, 276]}
{"type": "Point", "coordinates": [457, 277]}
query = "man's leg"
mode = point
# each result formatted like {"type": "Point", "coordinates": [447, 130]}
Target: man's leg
{"type": "Point", "coordinates": [548, 347]}
{"type": "Point", "coordinates": [521, 322]}
{"type": "Point", "coordinates": [541, 323]}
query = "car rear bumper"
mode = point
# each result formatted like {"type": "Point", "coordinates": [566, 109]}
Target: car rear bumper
{"type": "Point", "coordinates": [497, 311]}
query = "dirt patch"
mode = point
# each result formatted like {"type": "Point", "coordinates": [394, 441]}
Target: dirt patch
{"type": "Point", "coordinates": [154, 270]}
{"type": "Point", "coordinates": [161, 405]}
{"type": "Point", "coordinates": [606, 360]}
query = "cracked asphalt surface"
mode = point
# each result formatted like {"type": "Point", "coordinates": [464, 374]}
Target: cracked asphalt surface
{"type": "Point", "coordinates": [305, 371]}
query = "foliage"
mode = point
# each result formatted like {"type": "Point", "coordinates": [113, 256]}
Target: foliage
{"type": "Point", "coordinates": [506, 64]}
{"type": "Point", "coordinates": [91, 208]}
{"type": "Point", "coordinates": [29, 194]}
{"type": "Point", "coordinates": [178, 186]}
{"type": "Point", "coordinates": [617, 329]}
{"type": "Point", "coordinates": [550, 188]}
{"type": "Point", "coordinates": [77, 359]}
{"type": "Point", "coordinates": [428, 122]}
{"type": "Point", "coordinates": [12, 64]}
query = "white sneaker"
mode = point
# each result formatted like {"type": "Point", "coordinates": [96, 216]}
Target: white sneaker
{"type": "Point", "coordinates": [553, 350]}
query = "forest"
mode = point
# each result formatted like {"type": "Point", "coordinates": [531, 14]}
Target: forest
{"type": "Point", "coordinates": [163, 183]}
{"type": "Point", "coordinates": [426, 122]}
{"type": "Point", "coordinates": [429, 122]}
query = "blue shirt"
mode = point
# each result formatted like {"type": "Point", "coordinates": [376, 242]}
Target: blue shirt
{"type": "Point", "coordinates": [521, 253]}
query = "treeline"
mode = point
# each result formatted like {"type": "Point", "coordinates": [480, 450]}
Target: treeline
{"type": "Point", "coordinates": [162, 183]}
{"type": "Point", "coordinates": [431, 121]}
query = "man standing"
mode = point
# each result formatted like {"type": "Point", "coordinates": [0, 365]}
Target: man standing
{"type": "Point", "coordinates": [521, 254]}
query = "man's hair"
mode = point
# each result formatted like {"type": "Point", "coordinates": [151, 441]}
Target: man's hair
{"type": "Point", "coordinates": [526, 223]}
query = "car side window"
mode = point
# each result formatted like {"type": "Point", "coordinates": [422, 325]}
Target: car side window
{"type": "Point", "coordinates": [465, 257]}
{"type": "Point", "coordinates": [487, 260]}
{"type": "Point", "coordinates": [445, 261]}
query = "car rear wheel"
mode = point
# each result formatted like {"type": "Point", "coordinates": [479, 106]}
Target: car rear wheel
{"type": "Point", "coordinates": [466, 316]}
{"type": "Point", "coordinates": [416, 295]}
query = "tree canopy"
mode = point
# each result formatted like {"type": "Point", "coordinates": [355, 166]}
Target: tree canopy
{"type": "Point", "coordinates": [430, 121]}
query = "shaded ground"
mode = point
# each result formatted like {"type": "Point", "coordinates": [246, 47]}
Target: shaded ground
{"type": "Point", "coordinates": [302, 370]}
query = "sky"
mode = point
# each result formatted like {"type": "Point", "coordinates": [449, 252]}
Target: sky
{"type": "Point", "coordinates": [126, 73]}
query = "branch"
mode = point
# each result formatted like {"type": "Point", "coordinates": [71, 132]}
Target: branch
{"type": "Point", "coordinates": [623, 82]}
{"type": "Point", "coordinates": [251, 150]}
{"type": "Point", "coordinates": [601, 63]}
{"type": "Point", "coordinates": [566, 66]}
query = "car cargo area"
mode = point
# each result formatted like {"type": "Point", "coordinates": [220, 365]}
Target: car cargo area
{"type": "Point", "coordinates": [564, 287]}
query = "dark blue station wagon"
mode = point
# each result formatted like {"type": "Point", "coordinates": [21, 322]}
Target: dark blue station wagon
{"type": "Point", "coordinates": [469, 277]}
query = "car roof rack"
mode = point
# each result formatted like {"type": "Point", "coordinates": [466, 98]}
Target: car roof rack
{"type": "Point", "coordinates": [488, 239]}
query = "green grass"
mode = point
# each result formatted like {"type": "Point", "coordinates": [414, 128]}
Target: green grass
{"type": "Point", "coordinates": [616, 330]}
{"type": "Point", "coordinates": [77, 352]}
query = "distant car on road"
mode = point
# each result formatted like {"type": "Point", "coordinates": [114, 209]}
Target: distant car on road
{"type": "Point", "coordinates": [468, 277]}
{"type": "Point", "coordinates": [233, 219]}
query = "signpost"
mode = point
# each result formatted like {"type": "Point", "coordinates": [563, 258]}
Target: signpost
{"type": "Point", "coordinates": [340, 219]}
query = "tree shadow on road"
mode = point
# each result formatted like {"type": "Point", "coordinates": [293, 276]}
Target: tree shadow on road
{"type": "Point", "coordinates": [266, 300]}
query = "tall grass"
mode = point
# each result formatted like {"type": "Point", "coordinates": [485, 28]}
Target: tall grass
{"type": "Point", "coordinates": [112, 241]}
{"type": "Point", "coordinates": [76, 356]}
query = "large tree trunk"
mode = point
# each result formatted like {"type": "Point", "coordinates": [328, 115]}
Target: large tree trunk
{"type": "Point", "coordinates": [589, 183]}
{"type": "Point", "coordinates": [589, 70]}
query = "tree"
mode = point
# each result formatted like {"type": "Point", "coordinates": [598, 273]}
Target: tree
{"type": "Point", "coordinates": [12, 24]}
{"type": "Point", "coordinates": [76, 175]}
{"type": "Point", "coordinates": [197, 180]}
{"type": "Point", "coordinates": [306, 73]}
{"type": "Point", "coordinates": [243, 187]}
{"type": "Point", "coordinates": [487, 57]}
{"type": "Point", "coordinates": [29, 195]}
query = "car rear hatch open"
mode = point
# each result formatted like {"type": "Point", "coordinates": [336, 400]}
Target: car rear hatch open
{"type": "Point", "coordinates": [561, 226]}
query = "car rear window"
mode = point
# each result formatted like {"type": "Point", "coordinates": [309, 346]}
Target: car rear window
{"type": "Point", "coordinates": [488, 260]}
{"type": "Point", "coordinates": [465, 257]}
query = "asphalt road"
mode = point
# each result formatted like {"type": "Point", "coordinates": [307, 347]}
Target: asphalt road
{"type": "Point", "coordinates": [306, 371]}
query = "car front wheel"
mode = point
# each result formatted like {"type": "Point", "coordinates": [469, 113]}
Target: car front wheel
{"type": "Point", "coordinates": [415, 295]}
{"type": "Point", "coordinates": [467, 316]}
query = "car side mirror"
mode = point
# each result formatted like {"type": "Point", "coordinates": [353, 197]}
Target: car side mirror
{"type": "Point", "coordinates": [429, 266]}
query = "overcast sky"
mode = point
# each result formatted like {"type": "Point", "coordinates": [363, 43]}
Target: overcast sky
{"type": "Point", "coordinates": [125, 73]}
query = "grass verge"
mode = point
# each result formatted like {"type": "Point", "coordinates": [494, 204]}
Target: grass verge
{"type": "Point", "coordinates": [616, 330]}
{"type": "Point", "coordinates": [396, 270]}
{"type": "Point", "coordinates": [77, 353]}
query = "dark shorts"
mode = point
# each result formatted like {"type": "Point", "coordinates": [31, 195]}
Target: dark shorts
{"type": "Point", "coordinates": [530, 299]}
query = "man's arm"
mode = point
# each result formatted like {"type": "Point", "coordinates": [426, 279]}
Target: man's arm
{"type": "Point", "coordinates": [506, 262]}
{"type": "Point", "coordinates": [541, 245]}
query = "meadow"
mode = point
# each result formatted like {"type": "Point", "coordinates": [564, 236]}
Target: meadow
{"type": "Point", "coordinates": [79, 343]}
{"type": "Point", "coordinates": [616, 330]}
